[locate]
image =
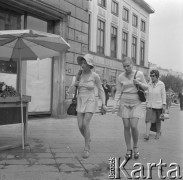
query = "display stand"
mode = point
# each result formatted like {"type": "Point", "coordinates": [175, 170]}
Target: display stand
{"type": "Point", "coordinates": [10, 113]}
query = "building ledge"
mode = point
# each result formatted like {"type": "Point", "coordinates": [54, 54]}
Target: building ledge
{"type": "Point", "coordinates": [36, 7]}
{"type": "Point", "coordinates": [145, 6]}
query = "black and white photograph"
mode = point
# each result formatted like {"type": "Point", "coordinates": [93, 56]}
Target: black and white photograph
{"type": "Point", "coordinates": [91, 89]}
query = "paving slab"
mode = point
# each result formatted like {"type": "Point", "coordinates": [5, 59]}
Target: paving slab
{"type": "Point", "coordinates": [35, 175]}
{"type": "Point", "coordinates": [55, 151]}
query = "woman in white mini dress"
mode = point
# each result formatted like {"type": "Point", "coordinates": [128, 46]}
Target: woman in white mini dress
{"type": "Point", "coordinates": [130, 106]}
{"type": "Point", "coordinates": [87, 102]}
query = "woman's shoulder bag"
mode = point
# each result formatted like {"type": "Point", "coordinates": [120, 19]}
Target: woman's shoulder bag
{"type": "Point", "coordinates": [72, 107]}
{"type": "Point", "coordinates": [140, 91]}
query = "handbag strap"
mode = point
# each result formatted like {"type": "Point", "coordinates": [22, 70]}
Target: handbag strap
{"type": "Point", "coordinates": [76, 90]}
{"type": "Point", "coordinates": [135, 78]}
{"type": "Point", "coordinates": [135, 75]}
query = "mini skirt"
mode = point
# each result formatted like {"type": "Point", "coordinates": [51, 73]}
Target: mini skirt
{"type": "Point", "coordinates": [87, 103]}
{"type": "Point", "coordinates": [130, 106]}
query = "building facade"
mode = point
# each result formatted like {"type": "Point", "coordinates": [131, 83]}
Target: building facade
{"type": "Point", "coordinates": [46, 80]}
{"type": "Point", "coordinates": [118, 28]}
{"type": "Point", "coordinates": [107, 29]}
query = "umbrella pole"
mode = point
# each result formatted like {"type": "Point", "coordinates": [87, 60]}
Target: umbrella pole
{"type": "Point", "coordinates": [21, 104]}
{"type": "Point", "coordinates": [22, 117]}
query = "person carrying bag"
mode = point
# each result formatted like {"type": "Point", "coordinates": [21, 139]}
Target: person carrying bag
{"type": "Point", "coordinates": [72, 107]}
{"type": "Point", "coordinates": [87, 102]}
{"type": "Point", "coordinates": [156, 105]}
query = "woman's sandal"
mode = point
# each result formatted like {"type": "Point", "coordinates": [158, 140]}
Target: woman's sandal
{"type": "Point", "coordinates": [128, 155]}
{"type": "Point", "coordinates": [136, 152]}
{"type": "Point", "coordinates": [86, 154]}
{"type": "Point", "coordinates": [158, 135]}
{"type": "Point", "coordinates": [146, 137]}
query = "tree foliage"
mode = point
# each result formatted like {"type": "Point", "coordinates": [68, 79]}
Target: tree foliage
{"type": "Point", "coordinates": [173, 82]}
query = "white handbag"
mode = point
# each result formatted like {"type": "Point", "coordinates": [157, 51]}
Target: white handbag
{"type": "Point", "coordinates": [164, 116]}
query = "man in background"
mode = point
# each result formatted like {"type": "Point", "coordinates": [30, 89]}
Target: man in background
{"type": "Point", "coordinates": [181, 100]}
{"type": "Point", "coordinates": [107, 90]}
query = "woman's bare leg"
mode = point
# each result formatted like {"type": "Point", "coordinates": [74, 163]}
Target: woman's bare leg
{"type": "Point", "coordinates": [80, 117]}
{"type": "Point", "coordinates": [134, 130]}
{"type": "Point", "coordinates": [148, 125]}
{"type": "Point", "coordinates": [127, 133]}
{"type": "Point", "coordinates": [86, 123]}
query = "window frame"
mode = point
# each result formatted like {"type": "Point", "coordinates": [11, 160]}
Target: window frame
{"type": "Point", "coordinates": [142, 52]}
{"type": "Point", "coordinates": [99, 20]}
{"type": "Point", "coordinates": [113, 2]}
{"type": "Point", "coordinates": [125, 16]}
{"type": "Point", "coordinates": [124, 41]}
{"type": "Point", "coordinates": [134, 20]}
{"type": "Point", "coordinates": [134, 49]}
{"type": "Point", "coordinates": [114, 52]}
{"type": "Point", "coordinates": [143, 25]}
{"type": "Point", "coordinates": [103, 3]}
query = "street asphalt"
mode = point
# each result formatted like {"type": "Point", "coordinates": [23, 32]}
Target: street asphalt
{"type": "Point", "coordinates": [54, 149]}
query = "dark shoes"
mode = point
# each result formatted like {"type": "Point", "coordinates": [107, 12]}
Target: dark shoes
{"type": "Point", "coordinates": [128, 155]}
{"type": "Point", "coordinates": [136, 154]}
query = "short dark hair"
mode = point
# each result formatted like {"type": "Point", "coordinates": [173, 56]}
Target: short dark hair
{"type": "Point", "coordinates": [156, 72]}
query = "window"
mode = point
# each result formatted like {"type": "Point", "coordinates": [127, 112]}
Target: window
{"type": "Point", "coordinates": [134, 20]}
{"type": "Point", "coordinates": [143, 25]}
{"type": "Point", "coordinates": [102, 3]}
{"type": "Point", "coordinates": [113, 42]}
{"type": "Point", "coordinates": [125, 14]}
{"type": "Point", "coordinates": [125, 44]}
{"type": "Point", "coordinates": [134, 49]}
{"type": "Point", "coordinates": [101, 36]}
{"type": "Point", "coordinates": [9, 20]}
{"type": "Point", "coordinates": [142, 53]}
{"type": "Point", "coordinates": [89, 31]}
{"type": "Point", "coordinates": [114, 8]}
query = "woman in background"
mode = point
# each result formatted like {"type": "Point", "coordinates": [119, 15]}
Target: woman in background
{"type": "Point", "coordinates": [156, 103]}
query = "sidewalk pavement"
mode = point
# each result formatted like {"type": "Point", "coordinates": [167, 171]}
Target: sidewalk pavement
{"type": "Point", "coordinates": [55, 146]}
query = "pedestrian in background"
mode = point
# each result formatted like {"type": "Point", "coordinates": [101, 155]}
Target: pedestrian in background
{"type": "Point", "coordinates": [130, 106]}
{"type": "Point", "coordinates": [168, 100]}
{"type": "Point", "coordinates": [107, 90]}
{"type": "Point", "coordinates": [113, 92]}
{"type": "Point", "coordinates": [156, 104]}
{"type": "Point", "coordinates": [87, 103]}
{"type": "Point", "coordinates": [181, 100]}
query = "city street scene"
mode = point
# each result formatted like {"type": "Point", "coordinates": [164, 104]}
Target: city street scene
{"type": "Point", "coordinates": [55, 147]}
{"type": "Point", "coordinates": [91, 89]}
